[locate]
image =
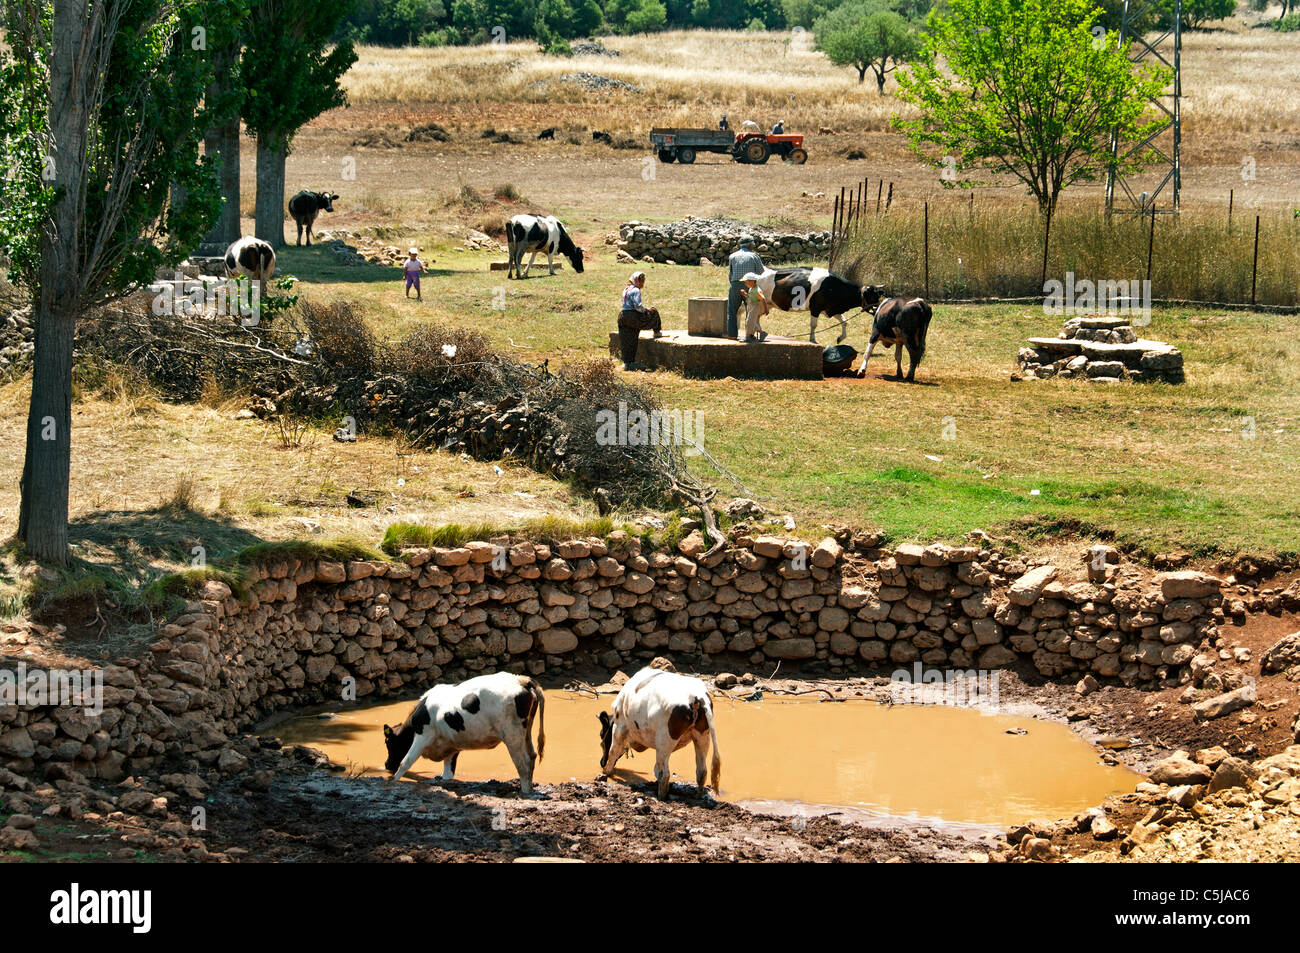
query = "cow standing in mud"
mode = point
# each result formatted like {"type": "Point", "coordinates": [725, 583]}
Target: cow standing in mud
{"type": "Point", "coordinates": [900, 322]}
{"type": "Point", "coordinates": [474, 715]}
{"type": "Point", "coordinates": [664, 711]}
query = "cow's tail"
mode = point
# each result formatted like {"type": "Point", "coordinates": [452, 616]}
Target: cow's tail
{"type": "Point", "coordinates": [925, 326]}
{"type": "Point", "coordinates": [716, 768]}
{"type": "Point", "coordinates": [266, 261]}
{"type": "Point", "coordinates": [540, 697]}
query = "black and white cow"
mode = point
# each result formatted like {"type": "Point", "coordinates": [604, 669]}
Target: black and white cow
{"type": "Point", "coordinates": [901, 322]}
{"type": "Point", "coordinates": [664, 711]}
{"type": "Point", "coordinates": [251, 258]}
{"type": "Point", "coordinates": [534, 233]}
{"type": "Point", "coordinates": [818, 292]}
{"type": "Point", "coordinates": [305, 206]}
{"type": "Point", "coordinates": [478, 714]}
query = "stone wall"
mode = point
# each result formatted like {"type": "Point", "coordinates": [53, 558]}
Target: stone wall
{"type": "Point", "coordinates": [688, 241]}
{"type": "Point", "coordinates": [305, 630]}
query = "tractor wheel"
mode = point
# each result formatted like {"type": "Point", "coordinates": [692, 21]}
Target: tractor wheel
{"type": "Point", "coordinates": [757, 151]}
{"type": "Point", "coordinates": [686, 156]}
{"type": "Point", "coordinates": [667, 155]}
{"type": "Point", "coordinates": [798, 156]}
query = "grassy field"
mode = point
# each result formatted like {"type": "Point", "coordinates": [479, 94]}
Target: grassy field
{"type": "Point", "coordinates": [1160, 466]}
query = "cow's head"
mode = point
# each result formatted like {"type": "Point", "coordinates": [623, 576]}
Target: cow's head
{"type": "Point", "coordinates": [606, 735]}
{"type": "Point", "coordinates": [398, 740]}
{"type": "Point", "coordinates": [575, 259]}
{"type": "Point", "coordinates": [872, 295]}
{"type": "Point", "coordinates": [327, 201]}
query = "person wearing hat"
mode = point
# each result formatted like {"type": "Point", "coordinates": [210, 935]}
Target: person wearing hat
{"type": "Point", "coordinates": [756, 305]}
{"type": "Point", "coordinates": [633, 318]}
{"type": "Point", "coordinates": [742, 261]}
{"type": "Point", "coordinates": [723, 125]}
{"type": "Point", "coordinates": [779, 128]}
{"type": "Point", "coordinates": [413, 268]}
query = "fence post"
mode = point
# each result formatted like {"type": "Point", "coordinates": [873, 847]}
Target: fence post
{"type": "Point", "coordinates": [1254, 268]}
{"type": "Point", "coordinates": [1230, 191]}
{"type": "Point", "coordinates": [1151, 241]}
{"type": "Point", "coordinates": [927, 250]}
{"type": "Point", "coordinates": [880, 187]}
{"type": "Point", "coordinates": [889, 199]}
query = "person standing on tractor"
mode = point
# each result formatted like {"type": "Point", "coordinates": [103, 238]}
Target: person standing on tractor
{"type": "Point", "coordinates": [723, 125]}
{"type": "Point", "coordinates": [741, 262]}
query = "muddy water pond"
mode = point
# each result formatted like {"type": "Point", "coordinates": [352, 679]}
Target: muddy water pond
{"type": "Point", "coordinates": [923, 762]}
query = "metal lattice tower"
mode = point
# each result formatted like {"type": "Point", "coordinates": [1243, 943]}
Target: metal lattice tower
{"type": "Point", "coordinates": [1166, 139]}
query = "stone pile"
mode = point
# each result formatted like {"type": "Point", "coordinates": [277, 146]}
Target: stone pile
{"type": "Point", "coordinates": [17, 340]}
{"type": "Point", "coordinates": [1102, 349]}
{"type": "Point", "coordinates": [311, 630]}
{"type": "Point", "coordinates": [713, 239]}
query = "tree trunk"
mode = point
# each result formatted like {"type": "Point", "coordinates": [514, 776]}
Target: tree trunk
{"type": "Point", "coordinates": [862, 74]}
{"type": "Point", "coordinates": [880, 83]}
{"type": "Point", "coordinates": [43, 512]}
{"type": "Point", "coordinates": [222, 143]}
{"type": "Point", "coordinates": [269, 214]}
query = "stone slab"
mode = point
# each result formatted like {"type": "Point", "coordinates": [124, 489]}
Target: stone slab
{"type": "Point", "coordinates": [692, 356]}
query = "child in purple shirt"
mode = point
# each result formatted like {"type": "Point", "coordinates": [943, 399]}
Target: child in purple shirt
{"type": "Point", "coordinates": [414, 267]}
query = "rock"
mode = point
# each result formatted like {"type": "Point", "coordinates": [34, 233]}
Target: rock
{"type": "Point", "coordinates": [693, 545]}
{"type": "Point", "coordinates": [1086, 686]}
{"type": "Point", "coordinates": [1225, 704]}
{"type": "Point", "coordinates": [725, 680]}
{"type": "Point", "coordinates": [557, 641]}
{"type": "Point", "coordinates": [1179, 769]}
{"type": "Point", "coordinates": [790, 649]}
{"type": "Point", "coordinates": [995, 656]}
{"type": "Point", "coordinates": [24, 822]}
{"type": "Point", "coordinates": [741, 508]}
{"type": "Point", "coordinates": [13, 838]}
{"type": "Point", "coordinates": [1282, 655]}
{"type": "Point", "coordinates": [1232, 773]}
{"type": "Point", "coordinates": [1189, 584]}
{"type": "Point", "coordinates": [1211, 757]}
{"type": "Point", "coordinates": [1038, 848]}
{"type": "Point", "coordinates": [1102, 829]}
{"type": "Point", "coordinates": [1026, 590]}
{"type": "Point", "coordinates": [231, 761]}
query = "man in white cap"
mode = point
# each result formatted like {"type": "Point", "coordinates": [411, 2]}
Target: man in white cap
{"type": "Point", "coordinates": [742, 261]}
{"type": "Point", "coordinates": [633, 318]}
{"type": "Point", "coordinates": [413, 268]}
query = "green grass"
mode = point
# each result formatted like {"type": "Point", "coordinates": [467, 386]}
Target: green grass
{"type": "Point", "coordinates": [1155, 466]}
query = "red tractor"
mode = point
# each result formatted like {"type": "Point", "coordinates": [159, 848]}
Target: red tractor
{"type": "Point", "coordinates": [749, 145]}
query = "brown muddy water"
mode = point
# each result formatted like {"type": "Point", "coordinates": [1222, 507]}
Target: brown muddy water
{"type": "Point", "coordinates": [916, 762]}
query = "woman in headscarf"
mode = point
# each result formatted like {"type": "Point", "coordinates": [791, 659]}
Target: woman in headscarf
{"type": "Point", "coordinates": [633, 318]}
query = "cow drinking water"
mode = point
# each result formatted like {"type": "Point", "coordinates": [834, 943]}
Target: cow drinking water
{"type": "Point", "coordinates": [534, 233]}
{"type": "Point", "coordinates": [480, 713]}
{"type": "Point", "coordinates": [305, 206]}
{"type": "Point", "coordinates": [664, 711]}
{"type": "Point", "coordinates": [901, 322]}
{"type": "Point", "coordinates": [818, 292]}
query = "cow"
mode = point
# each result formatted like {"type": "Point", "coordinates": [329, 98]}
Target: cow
{"type": "Point", "coordinates": [251, 258]}
{"type": "Point", "coordinates": [664, 711]}
{"type": "Point", "coordinates": [534, 233]}
{"type": "Point", "coordinates": [547, 133]}
{"type": "Point", "coordinates": [819, 292]}
{"type": "Point", "coordinates": [305, 206]}
{"type": "Point", "coordinates": [480, 713]}
{"type": "Point", "coordinates": [900, 322]}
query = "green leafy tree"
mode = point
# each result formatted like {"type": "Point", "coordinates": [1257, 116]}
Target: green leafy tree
{"type": "Point", "coordinates": [101, 112]}
{"type": "Point", "coordinates": [635, 16]}
{"type": "Point", "coordinates": [804, 13]}
{"type": "Point", "coordinates": [222, 22]}
{"type": "Point", "coordinates": [290, 76]}
{"type": "Point", "coordinates": [1027, 89]}
{"type": "Point", "coordinates": [866, 36]}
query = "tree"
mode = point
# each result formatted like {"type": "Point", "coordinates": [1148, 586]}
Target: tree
{"type": "Point", "coordinates": [103, 119]}
{"type": "Point", "coordinates": [222, 21]}
{"type": "Point", "coordinates": [866, 36]}
{"type": "Point", "coordinates": [635, 16]}
{"type": "Point", "coordinates": [1027, 90]}
{"type": "Point", "coordinates": [289, 79]}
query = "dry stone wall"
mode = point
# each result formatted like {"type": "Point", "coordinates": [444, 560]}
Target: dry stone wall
{"type": "Point", "coordinates": [688, 241]}
{"type": "Point", "coordinates": [308, 630]}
